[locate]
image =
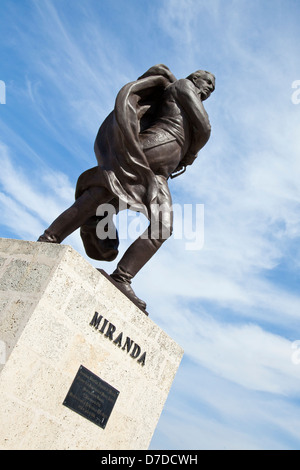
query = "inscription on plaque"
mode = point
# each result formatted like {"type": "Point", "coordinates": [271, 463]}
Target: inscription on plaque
{"type": "Point", "coordinates": [91, 397]}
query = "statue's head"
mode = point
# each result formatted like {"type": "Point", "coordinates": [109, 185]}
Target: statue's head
{"type": "Point", "coordinates": [204, 81]}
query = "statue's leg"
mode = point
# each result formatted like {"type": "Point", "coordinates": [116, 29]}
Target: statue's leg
{"type": "Point", "coordinates": [142, 250]}
{"type": "Point", "coordinates": [75, 216]}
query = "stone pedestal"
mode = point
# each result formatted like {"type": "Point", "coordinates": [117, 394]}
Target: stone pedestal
{"type": "Point", "coordinates": [82, 366]}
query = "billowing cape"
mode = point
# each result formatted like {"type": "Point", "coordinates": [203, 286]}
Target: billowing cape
{"type": "Point", "coordinates": [122, 165]}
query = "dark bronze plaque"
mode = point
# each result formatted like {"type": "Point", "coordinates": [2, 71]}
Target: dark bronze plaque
{"type": "Point", "coordinates": [91, 397]}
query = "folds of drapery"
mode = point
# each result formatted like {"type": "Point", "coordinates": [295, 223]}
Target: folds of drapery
{"type": "Point", "coordinates": [122, 165]}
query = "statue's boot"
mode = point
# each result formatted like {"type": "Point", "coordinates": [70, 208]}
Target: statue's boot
{"type": "Point", "coordinates": [48, 237]}
{"type": "Point", "coordinates": [122, 280]}
{"type": "Point", "coordinates": [136, 256]}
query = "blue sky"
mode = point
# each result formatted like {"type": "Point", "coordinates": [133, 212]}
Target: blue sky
{"type": "Point", "coordinates": [234, 305]}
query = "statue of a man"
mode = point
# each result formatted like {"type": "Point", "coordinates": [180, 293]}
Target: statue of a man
{"type": "Point", "coordinates": [156, 129]}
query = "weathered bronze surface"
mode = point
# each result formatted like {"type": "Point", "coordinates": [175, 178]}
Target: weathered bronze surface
{"type": "Point", "coordinates": [91, 397]}
{"type": "Point", "coordinates": [155, 131]}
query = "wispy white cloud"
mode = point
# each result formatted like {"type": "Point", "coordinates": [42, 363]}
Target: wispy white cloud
{"type": "Point", "coordinates": [271, 422]}
{"type": "Point", "coordinates": [39, 201]}
{"type": "Point", "coordinates": [28, 207]}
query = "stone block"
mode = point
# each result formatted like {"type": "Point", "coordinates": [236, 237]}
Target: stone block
{"type": "Point", "coordinates": [60, 316]}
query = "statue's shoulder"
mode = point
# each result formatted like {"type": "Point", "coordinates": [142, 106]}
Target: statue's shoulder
{"type": "Point", "coordinates": [184, 83]}
{"type": "Point", "coordinates": [183, 86]}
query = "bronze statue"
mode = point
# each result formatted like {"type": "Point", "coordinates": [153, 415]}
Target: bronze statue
{"type": "Point", "coordinates": [156, 129]}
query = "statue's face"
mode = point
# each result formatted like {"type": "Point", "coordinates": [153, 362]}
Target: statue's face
{"type": "Point", "coordinates": [206, 84]}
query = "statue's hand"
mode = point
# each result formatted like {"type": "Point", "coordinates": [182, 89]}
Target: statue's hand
{"type": "Point", "coordinates": [188, 159]}
{"type": "Point", "coordinates": [179, 170]}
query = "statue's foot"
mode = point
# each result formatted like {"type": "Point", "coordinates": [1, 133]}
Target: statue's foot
{"type": "Point", "coordinates": [48, 238]}
{"type": "Point", "coordinates": [126, 288]}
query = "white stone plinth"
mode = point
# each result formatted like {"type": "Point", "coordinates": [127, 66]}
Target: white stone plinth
{"type": "Point", "coordinates": [58, 313]}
